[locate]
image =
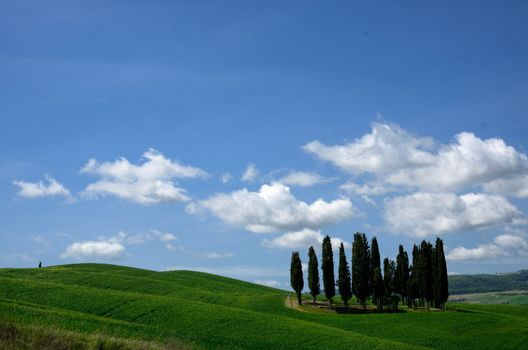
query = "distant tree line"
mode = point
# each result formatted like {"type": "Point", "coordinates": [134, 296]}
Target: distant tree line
{"type": "Point", "coordinates": [420, 284]}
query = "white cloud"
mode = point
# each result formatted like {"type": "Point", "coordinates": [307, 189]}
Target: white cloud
{"type": "Point", "coordinates": [97, 250]}
{"type": "Point", "coordinates": [302, 179]}
{"type": "Point", "coordinates": [273, 208]}
{"type": "Point", "coordinates": [49, 187]}
{"type": "Point", "coordinates": [505, 245]}
{"type": "Point", "coordinates": [226, 178]}
{"type": "Point", "coordinates": [268, 283]}
{"type": "Point", "coordinates": [386, 149]}
{"type": "Point", "coordinates": [399, 158]}
{"type": "Point", "coordinates": [148, 183]}
{"type": "Point", "coordinates": [423, 214]}
{"type": "Point", "coordinates": [216, 255]}
{"type": "Point", "coordinates": [251, 173]}
{"type": "Point", "coordinates": [302, 239]}
{"type": "Point", "coordinates": [365, 189]}
{"type": "Point", "coordinates": [141, 237]}
{"type": "Point", "coordinates": [516, 186]}
{"type": "Point", "coordinates": [368, 200]}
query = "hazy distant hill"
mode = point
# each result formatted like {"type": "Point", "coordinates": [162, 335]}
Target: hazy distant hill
{"type": "Point", "coordinates": [461, 284]}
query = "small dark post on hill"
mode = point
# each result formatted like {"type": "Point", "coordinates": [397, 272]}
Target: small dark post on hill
{"type": "Point", "coordinates": [361, 271]}
{"type": "Point", "coordinates": [296, 275]}
{"type": "Point", "coordinates": [313, 274]}
{"type": "Point", "coordinates": [327, 265]}
{"type": "Point", "coordinates": [345, 288]}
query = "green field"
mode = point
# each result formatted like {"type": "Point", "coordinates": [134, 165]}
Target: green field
{"type": "Point", "coordinates": [106, 306]}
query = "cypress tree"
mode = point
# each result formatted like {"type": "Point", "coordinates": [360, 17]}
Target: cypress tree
{"type": "Point", "coordinates": [296, 275]}
{"type": "Point", "coordinates": [361, 271]}
{"type": "Point", "coordinates": [427, 272]}
{"type": "Point", "coordinates": [401, 273]}
{"type": "Point", "coordinates": [344, 277]}
{"type": "Point", "coordinates": [441, 281]}
{"type": "Point", "coordinates": [377, 288]}
{"type": "Point", "coordinates": [313, 274]}
{"type": "Point", "coordinates": [327, 266]}
{"type": "Point", "coordinates": [375, 263]}
{"type": "Point", "coordinates": [388, 276]}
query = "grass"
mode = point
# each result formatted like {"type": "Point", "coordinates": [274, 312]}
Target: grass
{"type": "Point", "coordinates": [183, 309]}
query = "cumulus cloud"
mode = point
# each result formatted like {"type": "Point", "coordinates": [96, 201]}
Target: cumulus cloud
{"type": "Point", "coordinates": [302, 239]}
{"type": "Point", "coordinates": [302, 179]}
{"type": "Point", "coordinates": [251, 173]}
{"type": "Point", "coordinates": [141, 237]}
{"type": "Point", "coordinates": [96, 250]}
{"type": "Point", "coordinates": [273, 208]}
{"type": "Point", "coordinates": [114, 247]}
{"type": "Point", "coordinates": [399, 158]}
{"type": "Point", "coordinates": [505, 245]}
{"type": "Point", "coordinates": [150, 182]}
{"type": "Point", "coordinates": [423, 214]}
{"type": "Point", "coordinates": [48, 188]}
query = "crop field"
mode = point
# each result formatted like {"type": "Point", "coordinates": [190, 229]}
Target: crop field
{"type": "Point", "coordinates": [107, 306]}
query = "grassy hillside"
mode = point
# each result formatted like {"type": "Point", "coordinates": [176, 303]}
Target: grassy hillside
{"type": "Point", "coordinates": [463, 284]}
{"type": "Point", "coordinates": [126, 308]}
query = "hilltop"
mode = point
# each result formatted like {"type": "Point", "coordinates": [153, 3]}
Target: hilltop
{"type": "Point", "coordinates": [482, 283]}
{"type": "Point", "coordinates": [115, 307]}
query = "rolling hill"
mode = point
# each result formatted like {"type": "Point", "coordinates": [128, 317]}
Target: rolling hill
{"type": "Point", "coordinates": [482, 283]}
{"type": "Point", "coordinates": [114, 307]}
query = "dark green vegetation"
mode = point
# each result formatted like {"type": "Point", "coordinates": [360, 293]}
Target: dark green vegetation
{"type": "Point", "coordinates": [327, 265]}
{"type": "Point", "coordinates": [463, 284]}
{"type": "Point", "coordinates": [313, 274]}
{"type": "Point", "coordinates": [126, 308]}
{"type": "Point", "coordinates": [296, 276]}
{"type": "Point", "coordinates": [424, 284]}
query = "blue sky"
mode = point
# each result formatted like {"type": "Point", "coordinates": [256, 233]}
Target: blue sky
{"type": "Point", "coordinates": [404, 120]}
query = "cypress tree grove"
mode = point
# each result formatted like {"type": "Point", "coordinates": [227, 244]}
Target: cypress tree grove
{"type": "Point", "coordinates": [441, 282]}
{"type": "Point", "coordinates": [296, 275]}
{"type": "Point", "coordinates": [344, 277]}
{"type": "Point", "coordinates": [361, 271]}
{"type": "Point", "coordinates": [375, 263]}
{"type": "Point", "coordinates": [313, 274]}
{"type": "Point", "coordinates": [327, 265]}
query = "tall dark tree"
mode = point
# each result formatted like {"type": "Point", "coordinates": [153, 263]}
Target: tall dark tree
{"type": "Point", "coordinates": [327, 265]}
{"type": "Point", "coordinates": [361, 270]}
{"type": "Point", "coordinates": [313, 274]}
{"type": "Point", "coordinates": [296, 275]}
{"type": "Point", "coordinates": [388, 276]}
{"type": "Point", "coordinates": [345, 288]}
{"type": "Point", "coordinates": [414, 291]}
{"type": "Point", "coordinates": [427, 272]}
{"type": "Point", "coordinates": [401, 274]}
{"type": "Point", "coordinates": [378, 290]}
{"type": "Point", "coordinates": [375, 267]}
{"type": "Point", "coordinates": [440, 279]}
